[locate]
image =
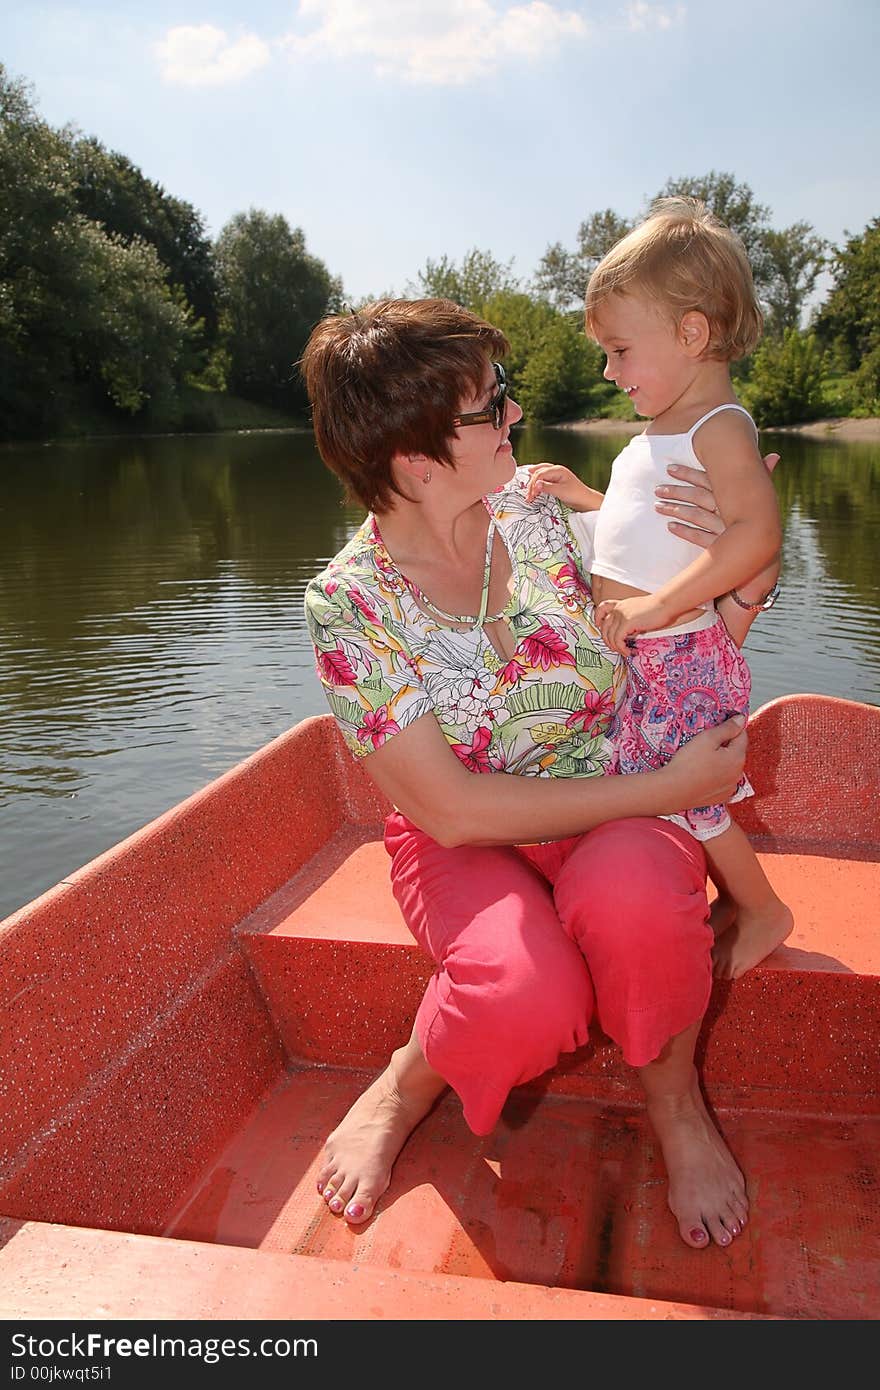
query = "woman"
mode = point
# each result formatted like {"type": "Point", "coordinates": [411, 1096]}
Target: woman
{"type": "Point", "coordinates": [454, 636]}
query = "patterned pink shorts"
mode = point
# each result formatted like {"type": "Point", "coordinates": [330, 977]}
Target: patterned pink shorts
{"type": "Point", "coordinates": [676, 686]}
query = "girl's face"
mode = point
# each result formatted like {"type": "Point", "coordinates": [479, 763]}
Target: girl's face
{"type": "Point", "coordinates": [646, 356]}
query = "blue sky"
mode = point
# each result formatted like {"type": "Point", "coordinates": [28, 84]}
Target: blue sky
{"type": "Point", "coordinates": [396, 130]}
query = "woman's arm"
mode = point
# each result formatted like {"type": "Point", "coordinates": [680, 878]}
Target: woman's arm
{"type": "Point", "coordinates": [418, 772]}
{"type": "Point", "coordinates": [385, 712]}
{"type": "Point", "coordinates": [690, 506]}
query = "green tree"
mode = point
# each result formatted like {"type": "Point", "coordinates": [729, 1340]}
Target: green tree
{"type": "Point", "coordinates": [135, 331]}
{"type": "Point", "coordinates": [38, 264]}
{"type": "Point", "coordinates": [554, 370]}
{"type": "Point", "coordinates": [523, 320]}
{"type": "Point", "coordinates": [83, 316]}
{"type": "Point", "coordinates": [272, 292]}
{"type": "Point", "coordinates": [559, 378]}
{"type": "Point", "coordinates": [561, 277]}
{"type": "Point", "coordinates": [849, 319]}
{"type": "Point", "coordinates": [866, 383]}
{"type": "Point", "coordinates": [848, 323]}
{"type": "Point", "coordinates": [785, 384]}
{"type": "Point", "coordinates": [793, 259]}
{"type": "Point", "coordinates": [471, 284]}
{"type": "Point", "coordinates": [112, 191]}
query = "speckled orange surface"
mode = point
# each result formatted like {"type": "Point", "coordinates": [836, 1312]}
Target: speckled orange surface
{"type": "Point", "coordinates": [184, 1019]}
{"type": "Point", "coordinates": [112, 1276]}
{"type": "Point", "coordinates": [566, 1193]}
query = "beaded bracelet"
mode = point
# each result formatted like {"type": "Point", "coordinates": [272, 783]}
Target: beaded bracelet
{"type": "Point", "coordinates": [766, 602]}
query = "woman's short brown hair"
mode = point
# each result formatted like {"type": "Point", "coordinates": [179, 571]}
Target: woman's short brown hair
{"type": "Point", "coordinates": [388, 379]}
{"type": "Point", "coordinates": [685, 258]}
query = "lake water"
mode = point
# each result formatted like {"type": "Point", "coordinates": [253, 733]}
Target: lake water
{"type": "Point", "coordinates": [151, 626]}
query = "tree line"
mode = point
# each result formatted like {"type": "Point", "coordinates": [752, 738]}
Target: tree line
{"type": "Point", "coordinates": [116, 305]}
{"type": "Point", "coordinates": [114, 301]}
{"type": "Point", "coordinates": [828, 366]}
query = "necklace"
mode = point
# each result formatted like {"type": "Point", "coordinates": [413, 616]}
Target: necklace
{"type": "Point", "coordinates": [463, 619]}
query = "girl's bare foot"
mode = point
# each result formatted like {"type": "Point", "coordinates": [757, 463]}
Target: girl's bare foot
{"type": "Point", "coordinates": [707, 1191]}
{"type": "Point", "coordinates": [722, 913]}
{"type": "Point", "coordinates": [749, 938]}
{"type": "Point", "coordinates": [360, 1153]}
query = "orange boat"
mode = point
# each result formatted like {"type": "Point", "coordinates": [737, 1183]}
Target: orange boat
{"type": "Point", "coordinates": [187, 1017]}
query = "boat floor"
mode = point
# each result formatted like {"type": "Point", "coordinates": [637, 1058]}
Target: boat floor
{"type": "Point", "coordinates": [566, 1192]}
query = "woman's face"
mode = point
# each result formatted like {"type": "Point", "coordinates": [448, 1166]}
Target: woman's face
{"type": "Point", "coordinates": [484, 455]}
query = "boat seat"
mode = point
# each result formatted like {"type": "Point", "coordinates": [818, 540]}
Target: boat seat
{"type": "Point", "coordinates": [343, 977]}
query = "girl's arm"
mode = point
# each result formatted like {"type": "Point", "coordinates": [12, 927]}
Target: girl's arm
{"type": "Point", "coordinates": [737, 619]}
{"type": "Point", "coordinates": [419, 773]}
{"type": "Point", "coordinates": [688, 505]}
{"type": "Point", "coordinates": [559, 481]}
{"type": "Point", "coordinates": [750, 542]}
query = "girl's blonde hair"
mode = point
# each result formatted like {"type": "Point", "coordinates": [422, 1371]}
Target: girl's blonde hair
{"type": "Point", "coordinates": [685, 258]}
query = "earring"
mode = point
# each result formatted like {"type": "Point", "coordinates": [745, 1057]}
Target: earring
{"type": "Point", "coordinates": [427, 477]}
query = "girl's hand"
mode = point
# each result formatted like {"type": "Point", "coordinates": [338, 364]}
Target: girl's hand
{"type": "Point", "coordinates": [622, 618]}
{"type": "Point", "coordinates": [690, 504]}
{"type": "Point", "coordinates": [707, 770]}
{"type": "Point", "coordinates": [560, 482]}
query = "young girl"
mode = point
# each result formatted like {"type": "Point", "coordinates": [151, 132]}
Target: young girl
{"type": "Point", "coordinates": [671, 305]}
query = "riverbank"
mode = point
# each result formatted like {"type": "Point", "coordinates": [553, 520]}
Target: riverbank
{"type": "Point", "coordinates": [191, 411]}
{"type": "Point", "coordinates": [850, 429]}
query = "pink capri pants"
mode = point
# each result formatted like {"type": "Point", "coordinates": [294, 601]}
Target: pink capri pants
{"type": "Point", "coordinates": [531, 941]}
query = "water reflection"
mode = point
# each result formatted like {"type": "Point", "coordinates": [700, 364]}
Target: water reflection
{"type": "Point", "coordinates": [151, 629]}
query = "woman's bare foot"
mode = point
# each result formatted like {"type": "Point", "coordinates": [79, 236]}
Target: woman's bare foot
{"type": "Point", "coordinates": [749, 938]}
{"type": "Point", "coordinates": [360, 1153]}
{"type": "Point", "coordinates": [707, 1191]}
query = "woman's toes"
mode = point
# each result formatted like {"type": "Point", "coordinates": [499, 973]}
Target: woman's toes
{"type": "Point", "coordinates": [720, 1232]}
{"type": "Point", "coordinates": [740, 1208]}
{"type": "Point", "coordinates": [337, 1192]}
{"type": "Point", "coordinates": [362, 1205]}
{"type": "Point", "coordinates": [330, 1188]}
{"type": "Point", "coordinates": [733, 1219]}
{"type": "Point", "coordinates": [344, 1191]}
{"type": "Point", "coordinates": [694, 1235]}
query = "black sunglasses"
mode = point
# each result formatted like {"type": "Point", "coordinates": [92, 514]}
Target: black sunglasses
{"type": "Point", "coordinates": [496, 409]}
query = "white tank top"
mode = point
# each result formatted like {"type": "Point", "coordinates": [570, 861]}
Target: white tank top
{"type": "Point", "coordinates": [631, 543]}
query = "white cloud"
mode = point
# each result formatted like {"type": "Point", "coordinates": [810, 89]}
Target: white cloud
{"type": "Point", "coordinates": [202, 56]}
{"type": "Point", "coordinates": [438, 42]}
{"type": "Point", "coordinates": [640, 16]}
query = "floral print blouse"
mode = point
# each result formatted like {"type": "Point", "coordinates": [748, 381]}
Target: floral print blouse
{"type": "Point", "coordinates": [384, 662]}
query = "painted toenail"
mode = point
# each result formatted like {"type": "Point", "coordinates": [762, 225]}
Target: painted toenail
{"type": "Point", "coordinates": [329, 1191]}
{"type": "Point", "coordinates": [336, 1204]}
{"type": "Point", "coordinates": [697, 1234]}
{"type": "Point", "coordinates": [321, 1188]}
{"type": "Point", "coordinates": [355, 1210]}
{"type": "Point", "coordinates": [725, 1239]}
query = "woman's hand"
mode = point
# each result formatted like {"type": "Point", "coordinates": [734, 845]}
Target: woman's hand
{"type": "Point", "coordinates": [707, 770]}
{"type": "Point", "coordinates": [690, 504]}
